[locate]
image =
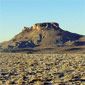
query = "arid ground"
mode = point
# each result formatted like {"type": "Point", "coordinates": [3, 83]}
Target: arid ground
{"type": "Point", "coordinates": [42, 69]}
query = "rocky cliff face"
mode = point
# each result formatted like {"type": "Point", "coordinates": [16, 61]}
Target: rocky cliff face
{"type": "Point", "coordinates": [43, 35]}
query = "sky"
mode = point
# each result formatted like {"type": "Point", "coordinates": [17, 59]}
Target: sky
{"type": "Point", "coordinates": [15, 14]}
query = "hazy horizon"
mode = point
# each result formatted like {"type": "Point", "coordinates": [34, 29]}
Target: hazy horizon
{"type": "Point", "coordinates": [15, 14]}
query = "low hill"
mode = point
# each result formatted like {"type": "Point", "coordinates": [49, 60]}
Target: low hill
{"type": "Point", "coordinates": [45, 35]}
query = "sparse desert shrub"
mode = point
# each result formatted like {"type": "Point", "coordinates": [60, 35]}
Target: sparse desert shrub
{"type": "Point", "coordinates": [38, 83]}
{"type": "Point", "coordinates": [1, 83]}
{"type": "Point", "coordinates": [65, 66]}
{"type": "Point", "coordinates": [20, 81]}
{"type": "Point", "coordinates": [67, 77]}
{"type": "Point", "coordinates": [8, 82]}
{"type": "Point", "coordinates": [56, 81]}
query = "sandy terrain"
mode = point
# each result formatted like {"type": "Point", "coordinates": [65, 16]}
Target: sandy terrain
{"type": "Point", "coordinates": [42, 69]}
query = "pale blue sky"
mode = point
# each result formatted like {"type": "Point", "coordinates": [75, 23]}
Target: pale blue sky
{"type": "Point", "coordinates": [15, 14]}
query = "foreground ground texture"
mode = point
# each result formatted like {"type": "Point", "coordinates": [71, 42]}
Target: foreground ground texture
{"type": "Point", "coordinates": [42, 69]}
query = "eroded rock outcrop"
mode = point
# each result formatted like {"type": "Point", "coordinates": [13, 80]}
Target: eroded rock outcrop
{"type": "Point", "coordinates": [41, 35]}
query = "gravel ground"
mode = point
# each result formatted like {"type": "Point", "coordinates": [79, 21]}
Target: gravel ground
{"type": "Point", "coordinates": [42, 69]}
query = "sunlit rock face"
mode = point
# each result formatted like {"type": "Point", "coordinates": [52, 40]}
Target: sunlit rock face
{"type": "Point", "coordinates": [36, 27]}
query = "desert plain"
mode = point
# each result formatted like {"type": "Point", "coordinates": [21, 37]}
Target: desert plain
{"type": "Point", "coordinates": [42, 69]}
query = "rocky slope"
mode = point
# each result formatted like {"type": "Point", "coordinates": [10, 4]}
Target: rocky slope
{"type": "Point", "coordinates": [44, 35]}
